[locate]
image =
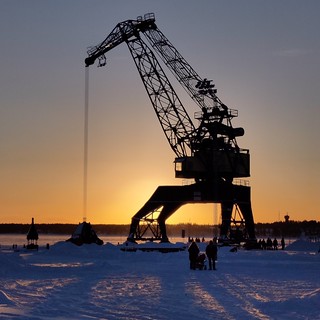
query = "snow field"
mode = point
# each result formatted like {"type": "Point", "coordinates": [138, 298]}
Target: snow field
{"type": "Point", "coordinates": [103, 282]}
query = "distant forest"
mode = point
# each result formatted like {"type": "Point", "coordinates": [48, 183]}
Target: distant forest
{"type": "Point", "coordinates": [275, 229]}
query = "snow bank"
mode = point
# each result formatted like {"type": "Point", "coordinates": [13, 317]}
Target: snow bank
{"type": "Point", "coordinates": [304, 245]}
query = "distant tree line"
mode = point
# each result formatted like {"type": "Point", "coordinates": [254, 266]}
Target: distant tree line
{"type": "Point", "coordinates": [289, 229]}
{"type": "Point", "coordinates": [60, 228]}
{"type": "Point", "coordinates": [274, 229]}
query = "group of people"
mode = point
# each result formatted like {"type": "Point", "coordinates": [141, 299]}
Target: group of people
{"type": "Point", "coordinates": [271, 244]}
{"type": "Point", "coordinates": [211, 253]}
{"type": "Point", "coordinates": [196, 239]}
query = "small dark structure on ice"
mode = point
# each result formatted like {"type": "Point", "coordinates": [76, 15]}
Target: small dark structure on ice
{"type": "Point", "coordinates": [84, 233]}
{"type": "Point", "coordinates": [32, 237]}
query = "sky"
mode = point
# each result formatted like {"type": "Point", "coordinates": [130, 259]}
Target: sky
{"type": "Point", "coordinates": [263, 57]}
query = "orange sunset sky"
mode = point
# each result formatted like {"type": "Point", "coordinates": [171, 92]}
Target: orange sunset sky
{"type": "Point", "coordinates": [262, 56]}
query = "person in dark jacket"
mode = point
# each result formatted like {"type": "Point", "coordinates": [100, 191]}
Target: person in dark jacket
{"type": "Point", "coordinates": [193, 254]}
{"type": "Point", "coordinates": [212, 252]}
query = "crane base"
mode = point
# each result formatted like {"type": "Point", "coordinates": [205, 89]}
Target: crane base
{"type": "Point", "coordinates": [167, 199]}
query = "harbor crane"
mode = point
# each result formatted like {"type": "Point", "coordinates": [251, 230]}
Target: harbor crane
{"type": "Point", "coordinates": [207, 154]}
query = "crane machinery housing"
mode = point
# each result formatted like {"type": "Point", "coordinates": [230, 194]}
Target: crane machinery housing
{"type": "Point", "coordinates": [207, 153]}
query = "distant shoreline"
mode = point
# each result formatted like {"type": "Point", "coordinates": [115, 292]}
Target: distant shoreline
{"type": "Point", "coordinates": [277, 229]}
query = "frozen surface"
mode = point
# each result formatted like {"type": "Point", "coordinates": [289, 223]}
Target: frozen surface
{"type": "Point", "coordinates": [103, 282]}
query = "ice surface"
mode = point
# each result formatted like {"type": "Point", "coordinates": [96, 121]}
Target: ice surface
{"type": "Point", "coordinates": [103, 282]}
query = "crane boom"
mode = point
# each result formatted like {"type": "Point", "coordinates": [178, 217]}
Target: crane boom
{"type": "Point", "coordinates": [173, 118]}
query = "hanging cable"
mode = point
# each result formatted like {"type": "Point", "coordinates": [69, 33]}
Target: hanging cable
{"type": "Point", "coordinates": [85, 149]}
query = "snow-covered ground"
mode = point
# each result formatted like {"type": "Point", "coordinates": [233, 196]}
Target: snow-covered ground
{"type": "Point", "coordinates": [103, 282]}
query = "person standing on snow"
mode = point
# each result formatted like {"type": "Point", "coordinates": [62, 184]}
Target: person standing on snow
{"type": "Point", "coordinates": [193, 254]}
{"type": "Point", "coordinates": [212, 252]}
{"type": "Point", "coordinates": [275, 244]}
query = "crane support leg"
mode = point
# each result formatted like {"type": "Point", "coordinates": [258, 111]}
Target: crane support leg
{"type": "Point", "coordinates": [162, 203]}
{"type": "Point", "coordinates": [246, 211]}
{"type": "Point", "coordinates": [226, 213]}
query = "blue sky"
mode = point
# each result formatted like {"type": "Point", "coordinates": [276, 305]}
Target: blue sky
{"type": "Point", "coordinates": [263, 57]}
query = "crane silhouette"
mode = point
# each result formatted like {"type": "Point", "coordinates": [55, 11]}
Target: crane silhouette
{"type": "Point", "coordinates": [208, 154]}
